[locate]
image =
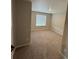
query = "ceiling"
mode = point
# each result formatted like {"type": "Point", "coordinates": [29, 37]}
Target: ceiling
{"type": "Point", "coordinates": [49, 6]}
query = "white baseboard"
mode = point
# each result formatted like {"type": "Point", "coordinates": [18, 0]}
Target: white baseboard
{"type": "Point", "coordinates": [39, 29]}
{"type": "Point", "coordinates": [58, 30]}
{"type": "Point", "coordinates": [12, 53]}
{"type": "Point", "coordinates": [62, 55]}
{"type": "Point", "coordinates": [22, 45]}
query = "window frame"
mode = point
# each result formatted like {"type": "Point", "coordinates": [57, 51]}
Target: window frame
{"type": "Point", "coordinates": [44, 16]}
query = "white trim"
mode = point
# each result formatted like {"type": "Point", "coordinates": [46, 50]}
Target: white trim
{"type": "Point", "coordinates": [59, 51]}
{"type": "Point", "coordinates": [58, 30]}
{"type": "Point", "coordinates": [12, 53]}
{"type": "Point", "coordinates": [62, 55]}
{"type": "Point", "coordinates": [37, 29]}
{"type": "Point", "coordinates": [22, 45]}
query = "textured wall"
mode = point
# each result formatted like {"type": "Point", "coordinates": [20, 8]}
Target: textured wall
{"type": "Point", "coordinates": [21, 22]}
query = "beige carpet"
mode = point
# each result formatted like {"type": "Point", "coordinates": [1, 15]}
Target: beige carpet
{"type": "Point", "coordinates": [44, 45]}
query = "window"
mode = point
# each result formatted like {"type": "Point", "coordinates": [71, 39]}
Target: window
{"type": "Point", "coordinates": [40, 20]}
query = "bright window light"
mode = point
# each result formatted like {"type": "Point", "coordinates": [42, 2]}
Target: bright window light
{"type": "Point", "coordinates": [40, 20]}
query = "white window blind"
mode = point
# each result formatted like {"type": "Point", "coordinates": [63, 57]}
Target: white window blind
{"type": "Point", "coordinates": [40, 20]}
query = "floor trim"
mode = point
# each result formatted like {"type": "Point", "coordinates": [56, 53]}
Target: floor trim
{"type": "Point", "coordinates": [22, 45]}
{"type": "Point", "coordinates": [62, 55]}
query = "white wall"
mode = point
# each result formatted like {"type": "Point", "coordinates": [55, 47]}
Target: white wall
{"type": "Point", "coordinates": [48, 21]}
{"type": "Point", "coordinates": [58, 21]}
{"type": "Point", "coordinates": [55, 22]}
{"type": "Point", "coordinates": [65, 38]}
{"type": "Point", "coordinates": [21, 22]}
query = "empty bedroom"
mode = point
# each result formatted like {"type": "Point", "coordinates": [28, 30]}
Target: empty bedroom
{"type": "Point", "coordinates": [39, 29]}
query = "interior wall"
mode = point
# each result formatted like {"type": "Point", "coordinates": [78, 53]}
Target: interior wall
{"type": "Point", "coordinates": [48, 21]}
{"type": "Point", "coordinates": [65, 38]}
{"type": "Point", "coordinates": [21, 22]}
{"type": "Point", "coordinates": [58, 21]}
